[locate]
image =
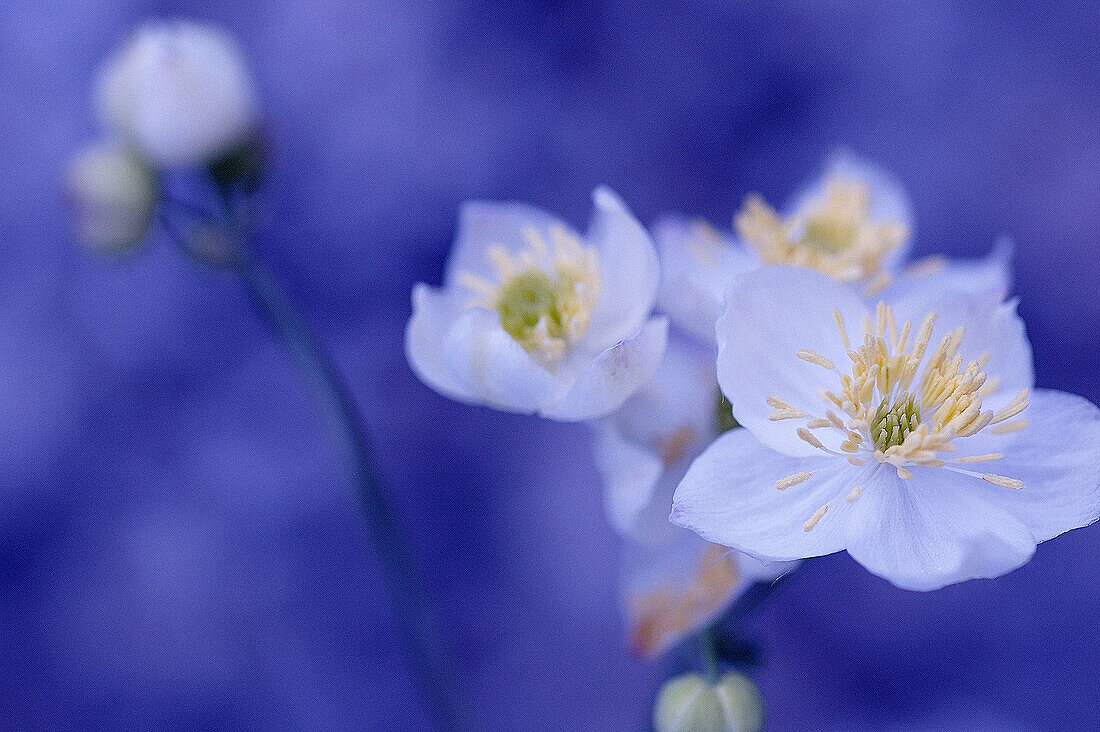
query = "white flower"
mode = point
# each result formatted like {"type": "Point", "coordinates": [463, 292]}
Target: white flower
{"type": "Point", "coordinates": [179, 92]}
{"type": "Point", "coordinates": [853, 223]}
{"type": "Point", "coordinates": [910, 436]}
{"type": "Point", "coordinates": [534, 319]}
{"type": "Point", "coordinates": [673, 582]}
{"type": "Point", "coordinates": [112, 194]}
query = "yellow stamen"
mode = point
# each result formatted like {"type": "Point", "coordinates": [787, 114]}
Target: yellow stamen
{"type": "Point", "coordinates": [785, 483]}
{"type": "Point", "coordinates": [815, 518]}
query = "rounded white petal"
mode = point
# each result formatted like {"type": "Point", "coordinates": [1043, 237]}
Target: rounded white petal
{"type": "Point", "coordinates": [609, 379]}
{"type": "Point", "coordinates": [989, 276]}
{"type": "Point", "coordinates": [889, 201]}
{"type": "Point", "coordinates": [697, 268]}
{"type": "Point", "coordinates": [931, 531]}
{"type": "Point", "coordinates": [434, 312]}
{"type": "Point", "coordinates": [180, 92]}
{"type": "Point", "coordinates": [643, 449]}
{"type": "Point", "coordinates": [484, 359]}
{"type": "Point", "coordinates": [771, 314]}
{"type": "Point", "coordinates": [629, 271]}
{"type": "Point", "coordinates": [484, 224]}
{"type": "Point", "coordinates": [1058, 459]}
{"type": "Point", "coordinates": [729, 497]}
{"type": "Point", "coordinates": [631, 474]}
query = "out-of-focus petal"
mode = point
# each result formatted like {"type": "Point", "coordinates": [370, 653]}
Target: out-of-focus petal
{"type": "Point", "coordinates": [698, 265]}
{"type": "Point", "coordinates": [484, 359]}
{"type": "Point", "coordinates": [629, 272]}
{"type": "Point", "coordinates": [936, 277]}
{"type": "Point", "coordinates": [482, 224]}
{"type": "Point", "coordinates": [610, 378]}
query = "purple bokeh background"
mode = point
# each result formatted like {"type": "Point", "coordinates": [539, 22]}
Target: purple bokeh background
{"type": "Point", "coordinates": [179, 541]}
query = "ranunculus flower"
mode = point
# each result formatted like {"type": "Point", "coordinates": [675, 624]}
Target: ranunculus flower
{"type": "Point", "coordinates": [112, 194]}
{"type": "Point", "coordinates": [179, 92]}
{"type": "Point", "coordinates": [853, 223]}
{"type": "Point", "coordinates": [533, 318]}
{"type": "Point", "coordinates": [673, 582]}
{"type": "Point", "coordinates": [910, 435]}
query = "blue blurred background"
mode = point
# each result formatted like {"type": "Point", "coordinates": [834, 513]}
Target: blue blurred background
{"type": "Point", "coordinates": [179, 540]}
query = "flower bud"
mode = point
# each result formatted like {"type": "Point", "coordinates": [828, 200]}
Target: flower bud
{"type": "Point", "coordinates": [180, 92]}
{"type": "Point", "coordinates": [112, 194]}
{"type": "Point", "coordinates": [690, 703]}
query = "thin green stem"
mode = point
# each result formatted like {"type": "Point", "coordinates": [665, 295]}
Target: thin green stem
{"type": "Point", "coordinates": [708, 651]}
{"type": "Point", "coordinates": [416, 623]}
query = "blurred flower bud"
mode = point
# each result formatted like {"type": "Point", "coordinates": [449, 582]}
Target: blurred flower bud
{"type": "Point", "coordinates": [180, 92]}
{"type": "Point", "coordinates": [689, 703]}
{"type": "Point", "coordinates": [112, 193]}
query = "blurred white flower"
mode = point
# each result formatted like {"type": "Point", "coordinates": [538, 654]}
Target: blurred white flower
{"type": "Point", "coordinates": [853, 223]}
{"type": "Point", "coordinates": [112, 194]}
{"type": "Point", "coordinates": [689, 703]}
{"type": "Point", "coordinates": [673, 582]}
{"type": "Point", "coordinates": [179, 92]}
{"type": "Point", "coordinates": [909, 435]}
{"type": "Point", "coordinates": [534, 319]}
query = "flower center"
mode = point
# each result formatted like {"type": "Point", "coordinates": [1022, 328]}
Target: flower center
{"type": "Point", "coordinates": [892, 424]}
{"type": "Point", "coordinates": [903, 404]}
{"type": "Point", "coordinates": [544, 294]}
{"type": "Point", "coordinates": [834, 234]}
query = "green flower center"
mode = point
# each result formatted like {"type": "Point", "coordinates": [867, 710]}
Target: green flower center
{"type": "Point", "coordinates": [526, 299]}
{"type": "Point", "coordinates": [892, 424]}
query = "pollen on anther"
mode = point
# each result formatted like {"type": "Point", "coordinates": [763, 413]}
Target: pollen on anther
{"type": "Point", "coordinates": [807, 436]}
{"type": "Point", "coordinates": [815, 358]}
{"type": "Point", "coordinates": [1005, 428]}
{"type": "Point", "coordinates": [1002, 481]}
{"type": "Point", "coordinates": [856, 493]}
{"type": "Point", "coordinates": [784, 483]}
{"type": "Point", "coordinates": [815, 518]}
{"type": "Point", "coordinates": [981, 458]}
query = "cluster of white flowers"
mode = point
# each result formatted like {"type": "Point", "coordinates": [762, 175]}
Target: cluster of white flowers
{"type": "Point", "coordinates": [176, 95]}
{"type": "Point", "coordinates": [815, 393]}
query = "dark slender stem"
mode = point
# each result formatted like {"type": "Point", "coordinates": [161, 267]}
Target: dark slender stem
{"type": "Point", "coordinates": [708, 650]}
{"type": "Point", "coordinates": [416, 623]}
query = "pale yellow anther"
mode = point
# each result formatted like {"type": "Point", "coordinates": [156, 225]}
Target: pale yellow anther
{"type": "Point", "coordinates": [815, 358]}
{"type": "Point", "coordinates": [807, 436]}
{"type": "Point", "coordinates": [785, 483]}
{"type": "Point", "coordinates": [1004, 482]}
{"type": "Point", "coordinates": [903, 473]}
{"type": "Point", "coordinates": [781, 414]}
{"type": "Point", "coordinates": [854, 494]}
{"type": "Point", "coordinates": [812, 522]}
{"type": "Point", "coordinates": [981, 458]}
{"type": "Point", "coordinates": [840, 327]}
{"type": "Point", "coordinates": [1006, 428]}
{"type": "Point", "coordinates": [856, 461]}
{"type": "Point", "coordinates": [818, 423]}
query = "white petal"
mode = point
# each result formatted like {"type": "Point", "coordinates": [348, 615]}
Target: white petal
{"type": "Point", "coordinates": [889, 201]}
{"type": "Point", "coordinates": [629, 272]}
{"type": "Point", "coordinates": [434, 311]}
{"type": "Point", "coordinates": [990, 276]}
{"type": "Point", "coordinates": [931, 531]}
{"type": "Point", "coordinates": [990, 326]}
{"type": "Point", "coordinates": [729, 497]}
{"type": "Point", "coordinates": [771, 314]}
{"type": "Point", "coordinates": [1058, 459]}
{"type": "Point", "coordinates": [697, 268]}
{"type": "Point", "coordinates": [672, 590]}
{"type": "Point", "coordinates": [631, 475]}
{"type": "Point", "coordinates": [483, 224]}
{"type": "Point", "coordinates": [610, 378]}
{"type": "Point", "coordinates": [485, 360]}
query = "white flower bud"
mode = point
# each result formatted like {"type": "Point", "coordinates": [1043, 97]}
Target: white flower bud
{"type": "Point", "coordinates": [689, 703]}
{"type": "Point", "coordinates": [180, 92]}
{"type": "Point", "coordinates": [112, 193]}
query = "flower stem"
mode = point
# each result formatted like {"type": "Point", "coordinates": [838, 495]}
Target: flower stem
{"type": "Point", "coordinates": [417, 625]}
{"type": "Point", "coordinates": [708, 651]}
